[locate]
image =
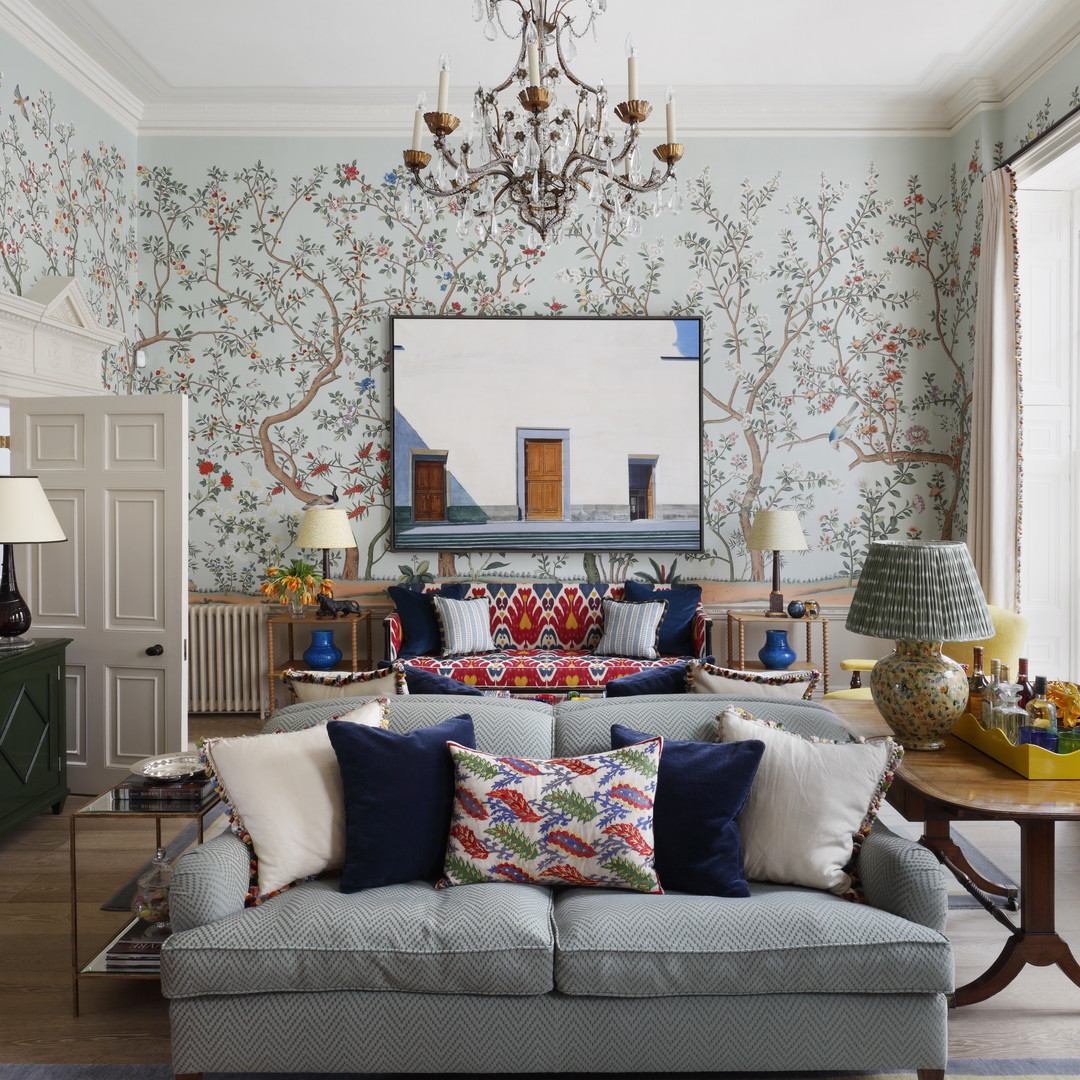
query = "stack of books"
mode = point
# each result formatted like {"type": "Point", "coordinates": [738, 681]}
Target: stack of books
{"type": "Point", "coordinates": [138, 793]}
{"type": "Point", "coordinates": [134, 951]}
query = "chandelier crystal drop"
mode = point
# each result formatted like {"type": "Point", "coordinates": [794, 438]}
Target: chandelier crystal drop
{"type": "Point", "coordinates": [542, 138]}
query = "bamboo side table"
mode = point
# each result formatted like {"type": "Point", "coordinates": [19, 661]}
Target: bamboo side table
{"type": "Point", "coordinates": [350, 661]}
{"type": "Point", "coordinates": [737, 620]}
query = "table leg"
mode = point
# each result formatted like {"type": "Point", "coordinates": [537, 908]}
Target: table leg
{"type": "Point", "coordinates": [938, 838]}
{"type": "Point", "coordinates": [1035, 941]}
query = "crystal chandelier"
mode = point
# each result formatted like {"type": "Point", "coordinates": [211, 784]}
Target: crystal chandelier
{"type": "Point", "coordinates": [538, 151]}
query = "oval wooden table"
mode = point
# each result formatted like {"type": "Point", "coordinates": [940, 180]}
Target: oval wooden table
{"type": "Point", "coordinates": [961, 783]}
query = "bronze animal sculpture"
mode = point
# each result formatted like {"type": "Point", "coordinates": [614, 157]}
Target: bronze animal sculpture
{"type": "Point", "coordinates": [332, 609]}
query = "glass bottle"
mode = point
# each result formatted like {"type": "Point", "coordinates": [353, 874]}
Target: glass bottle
{"type": "Point", "coordinates": [986, 714]}
{"type": "Point", "coordinates": [151, 899]}
{"type": "Point", "coordinates": [1041, 727]}
{"type": "Point", "coordinates": [1009, 716]}
{"type": "Point", "coordinates": [976, 682]}
{"type": "Point", "coordinates": [1027, 691]}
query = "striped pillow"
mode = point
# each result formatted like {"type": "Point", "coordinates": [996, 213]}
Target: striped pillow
{"type": "Point", "coordinates": [631, 629]}
{"type": "Point", "coordinates": [465, 625]}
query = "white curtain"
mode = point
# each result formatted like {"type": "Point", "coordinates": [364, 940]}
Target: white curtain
{"type": "Point", "coordinates": [994, 495]}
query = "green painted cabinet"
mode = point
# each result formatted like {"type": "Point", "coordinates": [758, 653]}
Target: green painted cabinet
{"type": "Point", "coordinates": [33, 743]}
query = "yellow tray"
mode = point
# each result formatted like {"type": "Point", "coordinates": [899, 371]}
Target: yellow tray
{"type": "Point", "coordinates": [1034, 762]}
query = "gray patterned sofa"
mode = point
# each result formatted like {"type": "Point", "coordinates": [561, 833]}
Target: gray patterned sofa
{"type": "Point", "coordinates": [508, 978]}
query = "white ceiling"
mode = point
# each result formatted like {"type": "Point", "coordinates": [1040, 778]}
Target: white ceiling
{"type": "Point", "coordinates": [327, 65]}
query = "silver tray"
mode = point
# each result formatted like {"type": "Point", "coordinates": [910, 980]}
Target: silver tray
{"type": "Point", "coordinates": [169, 767]}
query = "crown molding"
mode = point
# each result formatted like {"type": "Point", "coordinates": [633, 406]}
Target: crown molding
{"type": "Point", "coordinates": [70, 61]}
{"type": "Point", "coordinates": [988, 76]}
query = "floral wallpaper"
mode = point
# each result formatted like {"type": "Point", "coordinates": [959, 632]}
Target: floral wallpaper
{"type": "Point", "coordinates": [838, 298]}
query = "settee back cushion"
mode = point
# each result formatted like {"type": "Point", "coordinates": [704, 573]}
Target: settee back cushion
{"type": "Point", "coordinates": [583, 726]}
{"type": "Point", "coordinates": [546, 614]}
{"type": "Point", "coordinates": [502, 725]}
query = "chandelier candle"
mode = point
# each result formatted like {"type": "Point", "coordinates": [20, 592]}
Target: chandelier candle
{"type": "Point", "coordinates": [631, 71]}
{"type": "Point", "coordinates": [444, 85]}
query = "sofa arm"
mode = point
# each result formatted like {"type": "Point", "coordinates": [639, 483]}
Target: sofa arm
{"type": "Point", "coordinates": [701, 633]}
{"type": "Point", "coordinates": [209, 882]}
{"type": "Point", "coordinates": [392, 635]}
{"type": "Point", "coordinates": [904, 878]}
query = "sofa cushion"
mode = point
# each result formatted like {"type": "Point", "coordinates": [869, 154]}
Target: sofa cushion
{"type": "Point", "coordinates": [322, 685]}
{"type": "Point", "coordinates": [398, 790]}
{"type": "Point", "coordinates": [490, 940]}
{"type": "Point", "coordinates": [535, 670]}
{"type": "Point", "coordinates": [421, 681]}
{"type": "Point", "coordinates": [700, 791]}
{"type": "Point", "coordinates": [546, 614]}
{"type": "Point", "coordinates": [811, 804]}
{"type": "Point", "coordinates": [584, 820]}
{"type": "Point", "coordinates": [464, 625]}
{"type": "Point", "coordinates": [285, 797]}
{"type": "Point", "coordinates": [631, 629]}
{"type": "Point", "coordinates": [705, 678]}
{"type": "Point", "coordinates": [420, 628]}
{"type": "Point", "coordinates": [668, 679]}
{"type": "Point", "coordinates": [677, 624]}
{"type": "Point", "coordinates": [784, 940]}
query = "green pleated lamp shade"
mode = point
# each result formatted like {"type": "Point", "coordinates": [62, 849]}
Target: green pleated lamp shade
{"type": "Point", "coordinates": [915, 590]}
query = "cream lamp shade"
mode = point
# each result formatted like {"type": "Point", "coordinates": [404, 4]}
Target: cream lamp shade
{"type": "Point", "coordinates": [325, 527]}
{"type": "Point", "coordinates": [25, 518]}
{"type": "Point", "coordinates": [920, 593]}
{"type": "Point", "coordinates": [776, 531]}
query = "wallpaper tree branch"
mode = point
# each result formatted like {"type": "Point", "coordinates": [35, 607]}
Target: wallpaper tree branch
{"type": "Point", "coordinates": [839, 324]}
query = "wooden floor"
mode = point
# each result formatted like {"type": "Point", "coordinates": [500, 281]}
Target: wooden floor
{"type": "Point", "coordinates": [126, 1020]}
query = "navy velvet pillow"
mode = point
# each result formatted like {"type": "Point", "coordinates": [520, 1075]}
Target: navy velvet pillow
{"type": "Point", "coordinates": [399, 791]}
{"type": "Point", "coordinates": [676, 627]}
{"type": "Point", "coordinates": [419, 625]}
{"type": "Point", "coordinates": [701, 789]}
{"type": "Point", "coordinates": [670, 679]}
{"type": "Point", "coordinates": [420, 681]}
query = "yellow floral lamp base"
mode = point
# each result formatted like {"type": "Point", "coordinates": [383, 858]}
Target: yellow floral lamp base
{"type": "Point", "coordinates": [920, 693]}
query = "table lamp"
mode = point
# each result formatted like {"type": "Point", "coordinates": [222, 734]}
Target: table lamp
{"type": "Point", "coordinates": [776, 531]}
{"type": "Point", "coordinates": [325, 527]}
{"type": "Point", "coordinates": [919, 593]}
{"type": "Point", "coordinates": [25, 518]}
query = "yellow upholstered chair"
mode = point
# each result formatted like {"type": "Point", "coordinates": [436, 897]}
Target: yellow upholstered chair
{"type": "Point", "coordinates": [1007, 645]}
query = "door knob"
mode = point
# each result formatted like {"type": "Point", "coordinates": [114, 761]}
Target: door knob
{"type": "Point", "coordinates": [155, 650]}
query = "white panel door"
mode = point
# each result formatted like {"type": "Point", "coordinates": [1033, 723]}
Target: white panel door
{"type": "Point", "coordinates": [115, 470]}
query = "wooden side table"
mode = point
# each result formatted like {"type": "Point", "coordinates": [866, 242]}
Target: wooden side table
{"type": "Point", "coordinates": [736, 626]}
{"type": "Point", "coordinates": [350, 661]}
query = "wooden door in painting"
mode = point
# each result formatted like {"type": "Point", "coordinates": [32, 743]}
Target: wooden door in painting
{"type": "Point", "coordinates": [641, 490]}
{"type": "Point", "coordinates": [429, 490]}
{"type": "Point", "coordinates": [543, 480]}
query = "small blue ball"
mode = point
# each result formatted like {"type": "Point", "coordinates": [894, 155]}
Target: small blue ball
{"type": "Point", "coordinates": [796, 609]}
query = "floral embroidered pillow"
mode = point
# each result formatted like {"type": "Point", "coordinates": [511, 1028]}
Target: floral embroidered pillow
{"type": "Point", "coordinates": [568, 821]}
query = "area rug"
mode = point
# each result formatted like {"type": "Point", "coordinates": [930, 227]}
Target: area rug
{"type": "Point", "coordinates": [958, 1069]}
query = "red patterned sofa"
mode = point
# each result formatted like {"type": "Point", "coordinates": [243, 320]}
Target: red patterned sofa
{"type": "Point", "coordinates": [544, 633]}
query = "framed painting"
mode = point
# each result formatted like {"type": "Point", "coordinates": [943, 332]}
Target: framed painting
{"type": "Point", "coordinates": [533, 434]}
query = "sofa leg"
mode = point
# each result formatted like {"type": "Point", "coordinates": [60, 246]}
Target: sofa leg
{"type": "Point", "coordinates": [924, 1074]}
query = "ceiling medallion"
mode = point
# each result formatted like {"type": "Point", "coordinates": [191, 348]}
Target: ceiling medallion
{"type": "Point", "coordinates": [547, 142]}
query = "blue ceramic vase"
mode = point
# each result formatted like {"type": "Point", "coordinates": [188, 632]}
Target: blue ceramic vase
{"type": "Point", "coordinates": [322, 654]}
{"type": "Point", "coordinates": [776, 654]}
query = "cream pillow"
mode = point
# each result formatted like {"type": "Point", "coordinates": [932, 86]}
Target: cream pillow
{"type": "Point", "coordinates": [284, 791]}
{"type": "Point", "coordinates": [710, 679]}
{"type": "Point", "coordinates": [323, 685]}
{"type": "Point", "coordinates": [811, 803]}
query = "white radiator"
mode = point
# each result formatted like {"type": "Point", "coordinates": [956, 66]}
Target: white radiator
{"type": "Point", "coordinates": [227, 669]}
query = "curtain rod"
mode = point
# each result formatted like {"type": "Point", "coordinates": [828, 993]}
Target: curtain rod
{"type": "Point", "coordinates": [1042, 135]}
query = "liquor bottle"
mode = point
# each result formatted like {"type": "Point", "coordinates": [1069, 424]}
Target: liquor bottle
{"type": "Point", "coordinates": [976, 682]}
{"type": "Point", "coordinates": [1009, 716]}
{"type": "Point", "coordinates": [1027, 691]}
{"type": "Point", "coordinates": [1042, 718]}
{"type": "Point", "coordinates": [996, 696]}
{"type": "Point", "coordinates": [986, 713]}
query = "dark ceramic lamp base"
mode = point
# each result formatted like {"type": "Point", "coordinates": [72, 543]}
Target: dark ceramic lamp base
{"type": "Point", "coordinates": [14, 614]}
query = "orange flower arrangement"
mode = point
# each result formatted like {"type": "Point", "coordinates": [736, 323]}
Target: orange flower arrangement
{"type": "Point", "coordinates": [297, 583]}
